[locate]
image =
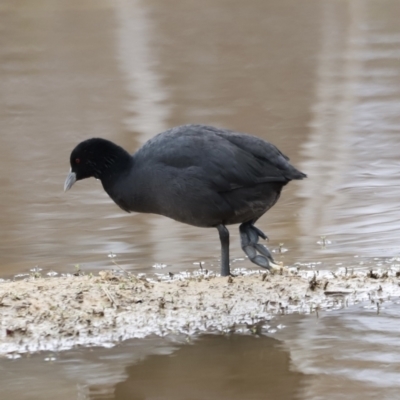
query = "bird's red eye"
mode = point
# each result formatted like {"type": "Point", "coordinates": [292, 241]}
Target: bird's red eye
{"type": "Point", "coordinates": [77, 160]}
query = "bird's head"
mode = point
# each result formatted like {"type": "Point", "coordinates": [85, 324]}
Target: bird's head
{"type": "Point", "coordinates": [94, 158]}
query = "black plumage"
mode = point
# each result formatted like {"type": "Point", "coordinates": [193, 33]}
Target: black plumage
{"type": "Point", "coordinates": [196, 174]}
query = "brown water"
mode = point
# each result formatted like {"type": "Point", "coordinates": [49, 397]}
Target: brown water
{"type": "Point", "coordinates": [320, 79]}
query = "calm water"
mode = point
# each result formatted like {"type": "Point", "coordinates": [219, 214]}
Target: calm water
{"type": "Point", "coordinates": [320, 79]}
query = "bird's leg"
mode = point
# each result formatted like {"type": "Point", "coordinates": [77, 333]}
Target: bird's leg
{"type": "Point", "coordinates": [249, 236]}
{"type": "Point", "coordinates": [224, 238]}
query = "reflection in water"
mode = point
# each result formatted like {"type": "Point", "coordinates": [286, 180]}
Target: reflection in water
{"type": "Point", "coordinates": [232, 367]}
{"type": "Point", "coordinates": [220, 367]}
{"type": "Point", "coordinates": [148, 103]}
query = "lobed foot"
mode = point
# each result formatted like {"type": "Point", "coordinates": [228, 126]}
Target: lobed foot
{"type": "Point", "coordinates": [257, 253]}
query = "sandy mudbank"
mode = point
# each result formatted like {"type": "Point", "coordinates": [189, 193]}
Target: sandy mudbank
{"type": "Point", "coordinates": [58, 313]}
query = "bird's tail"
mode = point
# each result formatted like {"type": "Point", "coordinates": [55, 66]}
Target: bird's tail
{"type": "Point", "coordinates": [296, 174]}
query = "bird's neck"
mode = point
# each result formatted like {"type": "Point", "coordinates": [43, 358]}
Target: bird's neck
{"type": "Point", "coordinates": [116, 182]}
{"type": "Point", "coordinates": [116, 164]}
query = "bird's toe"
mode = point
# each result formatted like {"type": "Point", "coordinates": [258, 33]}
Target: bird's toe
{"type": "Point", "coordinates": [262, 249]}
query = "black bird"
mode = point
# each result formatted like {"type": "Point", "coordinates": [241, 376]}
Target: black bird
{"type": "Point", "coordinates": [196, 174]}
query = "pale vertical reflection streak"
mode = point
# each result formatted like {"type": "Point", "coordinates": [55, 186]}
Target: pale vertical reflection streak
{"type": "Point", "coordinates": [328, 151]}
{"type": "Point", "coordinates": [147, 104]}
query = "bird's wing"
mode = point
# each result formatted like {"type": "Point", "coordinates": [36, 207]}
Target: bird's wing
{"type": "Point", "coordinates": [271, 158]}
{"type": "Point", "coordinates": [221, 159]}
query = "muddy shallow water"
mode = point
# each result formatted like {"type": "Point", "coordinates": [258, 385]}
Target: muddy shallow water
{"type": "Point", "coordinates": [321, 80]}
